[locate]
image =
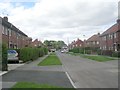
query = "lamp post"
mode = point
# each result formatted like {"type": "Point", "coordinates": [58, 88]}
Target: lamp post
{"type": "Point", "coordinates": [84, 44]}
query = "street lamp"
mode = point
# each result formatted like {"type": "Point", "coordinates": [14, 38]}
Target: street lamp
{"type": "Point", "coordinates": [84, 44]}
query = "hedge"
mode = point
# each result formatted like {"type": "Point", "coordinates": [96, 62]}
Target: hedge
{"type": "Point", "coordinates": [4, 58]}
{"type": "Point", "coordinates": [116, 54]}
{"type": "Point", "coordinates": [27, 53]}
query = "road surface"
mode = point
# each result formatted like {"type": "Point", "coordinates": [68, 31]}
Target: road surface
{"type": "Point", "coordinates": [87, 73]}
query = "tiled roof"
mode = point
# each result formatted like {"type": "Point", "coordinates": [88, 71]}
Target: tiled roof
{"type": "Point", "coordinates": [9, 25]}
{"type": "Point", "coordinates": [79, 41]}
{"type": "Point", "coordinates": [94, 38]}
{"type": "Point", "coordinates": [112, 29]}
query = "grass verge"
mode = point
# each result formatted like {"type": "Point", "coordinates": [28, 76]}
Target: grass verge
{"type": "Point", "coordinates": [98, 58]}
{"type": "Point", "coordinates": [95, 57]}
{"type": "Point", "coordinates": [52, 59]}
{"type": "Point", "coordinates": [31, 85]}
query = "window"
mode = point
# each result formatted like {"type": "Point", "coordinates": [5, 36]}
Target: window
{"type": "Point", "coordinates": [115, 35]}
{"type": "Point", "coordinates": [104, 38]}
{"type": "Point", "coordinates": [9, 32]}
{"type": "Point", "coordinates": [93, 42]}
{"type": "Point", "coordinates": [6, 31]}
{"type": "Point", "coordinates": [3, 31]}
{"type": "Point", "coordinates": [97, 42]}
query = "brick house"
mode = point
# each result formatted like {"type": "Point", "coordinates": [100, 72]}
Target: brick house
{"type": "Point", "coordinates": [77, 43]}
{"type": "Point", "coordinates": [36, 43]}
{"type": "Point", "coordinates": [12, 36]}
{"type": "Point", "coordinates": [110, 39]}
{"type": "Point", "coordinates": [93, 41]}
{"type": "Point", "coordinates": [118, 32]}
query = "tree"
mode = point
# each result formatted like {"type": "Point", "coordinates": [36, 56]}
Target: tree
{"type": "Point", "coordinates": [54, 44]}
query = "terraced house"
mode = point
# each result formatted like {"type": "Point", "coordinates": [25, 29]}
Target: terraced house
{"type": "Point", "coordinates": [12, 36]}
{"type": "Point", "coordinates": [110, 39]}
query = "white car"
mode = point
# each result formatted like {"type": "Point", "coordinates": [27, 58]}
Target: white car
{"type": "Point", "coordinates": [13, 56]}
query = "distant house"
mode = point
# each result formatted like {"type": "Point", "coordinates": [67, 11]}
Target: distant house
{"type": "Point", "coordinates": [36, 43]}
{"type": "Point", "coordinates": [93, 41]}
{"type": "Point", "coordinates": [12, 36]}
{"type": "Point", "coordinates": [110, 39]}
{"type": "Point", "coordinates": [77, 43]}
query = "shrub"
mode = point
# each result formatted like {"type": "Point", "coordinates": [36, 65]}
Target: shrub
{"type": "Point", "coordinates": [88, 51]}
{"type": "Point", "coordinates": [107, 52]}
{"type": "Point", "coordinates": [41, 52]}
{"type": "Point", "coordinates": [45, 51]}
{"type": "Point", "coordinates": [116, 54]}
{"type": "Point", "coordinates": [4, 58]}
{"type": "Point", "coordinates": [99, 52]}
{"type": "Point", "coordinates": [27, 53]}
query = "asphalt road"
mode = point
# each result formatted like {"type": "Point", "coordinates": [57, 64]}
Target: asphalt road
{"type": "Point", "coordinates": [87, 73]}
{"type": "Point", "coordinates": [51, 75]}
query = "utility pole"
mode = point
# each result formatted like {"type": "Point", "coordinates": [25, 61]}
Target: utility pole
{"type": "Point", "coordinates": [84, 44]}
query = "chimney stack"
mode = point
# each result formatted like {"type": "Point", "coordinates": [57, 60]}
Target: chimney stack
{"type": "Point", "coordinates": [5, 18]}
{"type": "Point", "coordinates": [118, 21]}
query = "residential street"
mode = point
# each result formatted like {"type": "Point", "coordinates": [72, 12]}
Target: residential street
{"type": "Point", "coordinates": [90, 74]}
{"type": "Point", "coordinates": [83, 72]}
{"type": "Point", "coordinates": [51, 75]}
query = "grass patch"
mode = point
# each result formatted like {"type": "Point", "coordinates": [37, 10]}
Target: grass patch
{"type": "Point", "coordinates": [52, 59]}
{"type": "Point", "coordinates": [95, 57]}
{"type": "Point", "coordinates": [98, 58]}
{"type": "Point", "coordinates": [31, 85]}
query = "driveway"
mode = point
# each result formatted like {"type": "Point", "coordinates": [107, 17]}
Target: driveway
{"type": "Point", "coordinates": [87, 73]}
{"type": "Point", "coordinates": [52, 75]}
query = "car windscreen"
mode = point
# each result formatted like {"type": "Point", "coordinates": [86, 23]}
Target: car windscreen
{"type": "Point", "coordinates": [12, 51]}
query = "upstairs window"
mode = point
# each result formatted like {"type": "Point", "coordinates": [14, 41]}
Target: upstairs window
{"type": "Point", "coordinates": [115, 35]}
{"type": "Point", "coordinates": [3, 30]}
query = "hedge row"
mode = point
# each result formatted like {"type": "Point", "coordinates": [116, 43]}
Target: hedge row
{"type": "Point", "coordinates": [109, 53]}
{"type": "Point", "coordinates": [27, 53]}
{"type": "Point", "coordinates": [4, 57]}
{"type": "Point", "coordinates": [81, 50]}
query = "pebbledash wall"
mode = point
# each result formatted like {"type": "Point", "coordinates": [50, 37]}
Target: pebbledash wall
{"type": "Point", "coordinates": [12, 36]}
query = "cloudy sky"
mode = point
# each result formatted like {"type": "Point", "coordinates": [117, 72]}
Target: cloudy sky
{"type": "Point", "coordinates": [60, 19]}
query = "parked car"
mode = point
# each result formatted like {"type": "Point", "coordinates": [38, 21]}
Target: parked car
{"type": "Point", "coordinates": [64, 51]}
{"type": "Point", "coordinates": [13, 56]}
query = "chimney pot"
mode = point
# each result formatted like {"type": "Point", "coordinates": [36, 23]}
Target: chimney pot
{"type": "Point", "coordinates": [118, 21]}
{"type": "Point", "coordinates": [5, 18]}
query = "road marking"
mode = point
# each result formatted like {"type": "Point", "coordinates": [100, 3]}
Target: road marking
{"type": "Point", "coordinates": [70, 80]}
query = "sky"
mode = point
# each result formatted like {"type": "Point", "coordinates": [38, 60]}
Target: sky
{"type": "Point", "coordinates": [64, 20]}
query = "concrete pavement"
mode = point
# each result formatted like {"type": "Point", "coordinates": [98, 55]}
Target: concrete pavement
{"type": "Point", "coordinates": [87, 73]}
{"type": "Point", "coordinates": [51, 75]}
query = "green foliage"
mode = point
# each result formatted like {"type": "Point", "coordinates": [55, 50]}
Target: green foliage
{"type": "Point", "coordinates": [27, 53]}
{"type": "Point", "coordinates": [77, 50]}
{"type": "Point", "coordinates": [41, 52]}
{"type": "Point", "coordinates": [116, 54]}
{"type": "Point", "coordinates": [45, 51]}
{"type": "Point", "coordinates": [4, 57]}
{"type": "Point", "coordinates": [54, 44]}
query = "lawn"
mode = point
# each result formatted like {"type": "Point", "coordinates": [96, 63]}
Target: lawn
{"type": "Point", "coordinates": [32, 85]}
{"type": "Point", "coordinates": [98, 58]}
{"type": "Point", "coordinates": [52, 59]}
{"type": "Point", "coordinates": [95, 57]}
